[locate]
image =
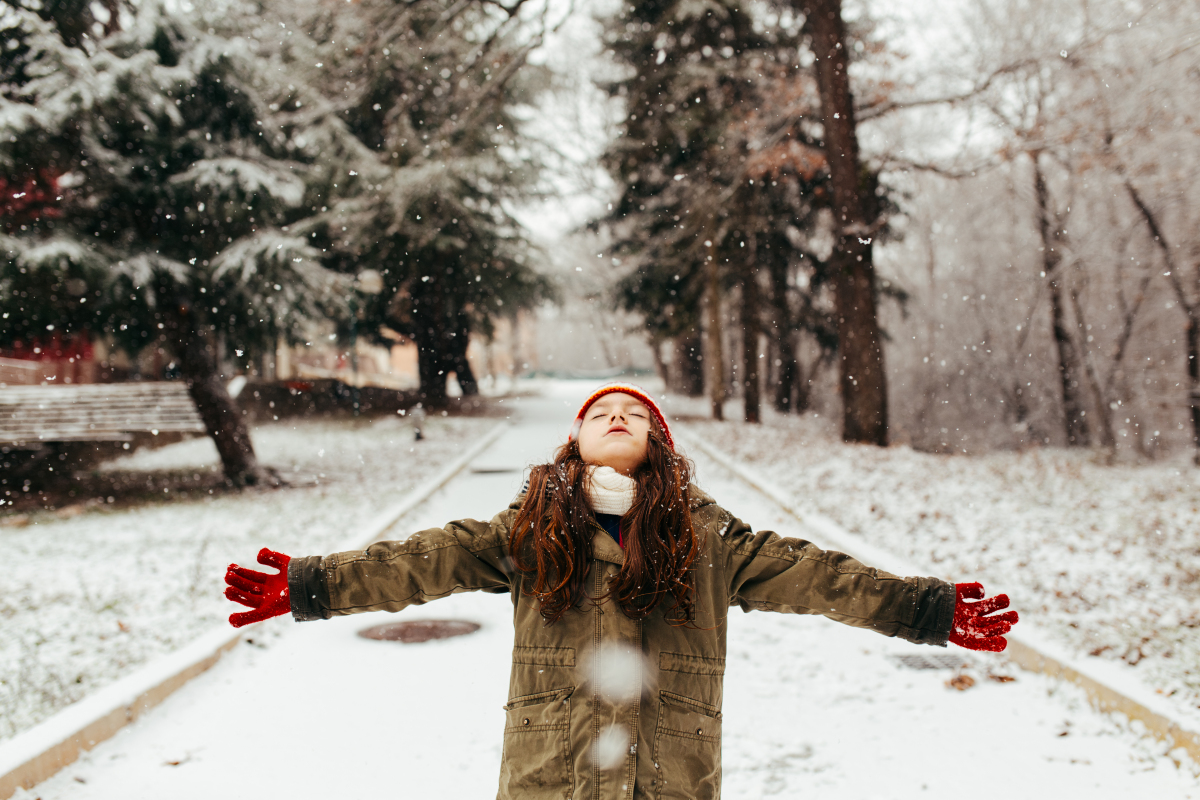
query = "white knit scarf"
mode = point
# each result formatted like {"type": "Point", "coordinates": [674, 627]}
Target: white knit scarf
{"type": "Point", "coordinates": [610, 492]}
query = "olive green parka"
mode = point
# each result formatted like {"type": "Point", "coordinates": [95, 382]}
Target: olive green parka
{"type": "Point", "coordinates": [602, 706]}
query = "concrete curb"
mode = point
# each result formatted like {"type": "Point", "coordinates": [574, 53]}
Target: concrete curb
{"type": "Point", "coordinates": [40, 752]}
{"type": "Point", "coordinates": [1031, 650]}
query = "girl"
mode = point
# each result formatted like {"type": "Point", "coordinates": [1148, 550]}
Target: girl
{"type": "Point", "coordinates": [621, 574]}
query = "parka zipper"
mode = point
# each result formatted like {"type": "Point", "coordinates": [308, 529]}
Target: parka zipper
{"type": "Point", "coordinates": [596, 639]}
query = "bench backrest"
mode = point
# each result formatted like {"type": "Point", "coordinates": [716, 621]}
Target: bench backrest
{"type": "Point", "coordinates": [95, 412]}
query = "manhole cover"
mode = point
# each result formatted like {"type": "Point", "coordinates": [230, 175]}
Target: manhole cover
{"type": "Point", "coordinates": [931, 661]}
{"type": "Point", "coordinates": [419, 630]}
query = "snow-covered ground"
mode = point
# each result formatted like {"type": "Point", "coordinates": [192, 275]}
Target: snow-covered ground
{"type": "Point", "coordinates": [86, 599]}
{"type": "Point", "coordinates": [811, 707]}
{"type": "Point", "coordinates": [1105, 558]}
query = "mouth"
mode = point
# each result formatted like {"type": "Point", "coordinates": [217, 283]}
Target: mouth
{"type": "Point", "coordinates": [617, 429]}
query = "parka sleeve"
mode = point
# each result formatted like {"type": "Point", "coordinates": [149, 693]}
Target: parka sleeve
{"type": "Point", "coordinates": [467, 555]}
{"type": "Point", "coordinates": [769, 572]}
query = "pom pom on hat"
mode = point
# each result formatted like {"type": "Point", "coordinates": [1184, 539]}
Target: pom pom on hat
{"type": "Point", "coordinates": [633, 391]}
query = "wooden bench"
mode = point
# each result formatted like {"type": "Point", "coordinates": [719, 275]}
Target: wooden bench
{"type": "Point", "coordinates": [32, 416]}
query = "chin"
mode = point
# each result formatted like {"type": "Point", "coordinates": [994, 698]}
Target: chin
{"type": "Point", "coordinates": [608, 458]}
{"type": "Point", "coordinates": [626, 463]}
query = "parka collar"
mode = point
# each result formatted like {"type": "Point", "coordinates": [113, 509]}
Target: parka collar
{"type": "Point", "coordinates": [605, 548]}
{"type": "Point", "coordinates": [698, 497]}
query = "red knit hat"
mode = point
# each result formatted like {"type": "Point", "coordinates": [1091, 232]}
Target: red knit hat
{"type": "Point", "coordinates": [631, 390]}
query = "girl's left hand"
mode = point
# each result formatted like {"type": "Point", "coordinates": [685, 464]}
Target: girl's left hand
{"type": "Point", "coordinates": [974, 630]}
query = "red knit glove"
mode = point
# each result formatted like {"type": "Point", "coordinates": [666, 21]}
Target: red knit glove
{"type": "Point", "coordinates": [266, 594]}
{"type": "Point", "coordinates": [972, 629]}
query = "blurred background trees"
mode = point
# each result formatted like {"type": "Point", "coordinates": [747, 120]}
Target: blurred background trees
{"type": "Point", "coordinates": [728, 196]}
{"type": "Point", "coordinates": [434, 95]}
{"type": "Point", "coordinates": [1044, 298]}
{"type": "Point", "coordinates": [1051, 299]}
{"type": "Point", "coordinates": [960, 227]}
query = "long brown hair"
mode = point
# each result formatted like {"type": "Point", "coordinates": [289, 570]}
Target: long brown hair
{"type": "Point", "coordinates": [551, 537]}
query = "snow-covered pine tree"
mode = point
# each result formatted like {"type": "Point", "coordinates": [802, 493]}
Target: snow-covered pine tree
{"type": "Point", "coordinates": [182, 147]}
{"type": "Point", "coordinates": [435, 91]}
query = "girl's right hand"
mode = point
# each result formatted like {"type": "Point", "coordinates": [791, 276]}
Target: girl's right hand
{"type": "Point", "coordinates": [266, 594]}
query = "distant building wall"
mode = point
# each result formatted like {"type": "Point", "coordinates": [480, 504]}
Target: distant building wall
{"type": "Point", "coordinates": [56, 359]}
{"type": "Point", "coordinates": [368, 364]}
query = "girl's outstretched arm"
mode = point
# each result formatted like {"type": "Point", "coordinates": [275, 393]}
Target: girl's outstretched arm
{"type": "Point", "coordinates": [467, 555]}
{"type": "Point", "coordinates": [773, 573]}
{"type": "Point", "coordinates": [769, 572]}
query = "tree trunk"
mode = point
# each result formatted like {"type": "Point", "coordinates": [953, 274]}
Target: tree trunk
{"type": "Point", "coordinates": [1108, 437]}
{"type": "Point", "coordinates": [689, 359]}
{"type": "Point", "coordinates": [786, 388]}
{"type": "Point", "coordinates": [751, 400]}
{"type": "Point", "coordinates": [1074, 413]}
{"type": "Point", "coordinates": [430, 336]}
{"type": "Point", "coordinates": [715, 355]}
{"type": "Point", "coordinates": [1193, 371]}
{"type": "Point", "coordinates": [804, 384]}
{"type": "Point", "coordinates": [1070, 366]}
{"type": "Point", "coordinates": [192, 342]}
{"type": "Point", "coordinates": [785, 337]}
{"type": "Point", "coordinates": [460, 364]}
{"type": "Point", "coordinates": [1190, 310]}
{"type": "Point", "coordinates": [862, 379]}
{"type": "Point", "coordinates": [431, 369]}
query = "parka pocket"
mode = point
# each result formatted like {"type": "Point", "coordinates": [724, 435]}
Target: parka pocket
{"type": "Point", "coordinates": [687, 749]}
{"type": "Point", "coordinates": [536, 756]}
{"type": "Point", "coordinates": [699, 678]}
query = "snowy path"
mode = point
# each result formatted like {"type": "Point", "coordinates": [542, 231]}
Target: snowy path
{"type": "Point", "coordinates": [811, 708]}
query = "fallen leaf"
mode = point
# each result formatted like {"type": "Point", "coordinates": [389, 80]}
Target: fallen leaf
{"type": "Point", "coordinates": [960, 682]}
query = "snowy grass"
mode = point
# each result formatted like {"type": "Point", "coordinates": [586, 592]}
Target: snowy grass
{"type": "Point", "coordinates": [1106, 558]}
{"type": "Point", "coordinates": [89, 597]}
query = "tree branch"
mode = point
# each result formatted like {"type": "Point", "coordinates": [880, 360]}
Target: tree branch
{"type": "Point", "coordinates": [892, 163]}
{"type": "Point", "coordinates": [1161, 239]}
{"type": "Point", "coordinates": [869, 112]}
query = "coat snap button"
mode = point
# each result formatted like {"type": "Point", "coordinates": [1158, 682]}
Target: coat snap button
{"type": "Point", "coordinates": [525, 721]}
{"type": "Point", "coordinates": [699, 731]}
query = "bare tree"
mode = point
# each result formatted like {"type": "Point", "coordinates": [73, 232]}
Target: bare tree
{"type": "Point", "coordinates": [1069, 115]}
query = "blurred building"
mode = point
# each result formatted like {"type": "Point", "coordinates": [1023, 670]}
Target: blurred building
{"type": "Point", "coordinates": [55, 359]}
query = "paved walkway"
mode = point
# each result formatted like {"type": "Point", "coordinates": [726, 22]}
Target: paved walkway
{"type": "Point", "coordinates": [812, 709]}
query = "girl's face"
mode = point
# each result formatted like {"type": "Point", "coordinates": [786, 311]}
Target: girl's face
{"type": "Point", "coordinates": [615, 433]}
